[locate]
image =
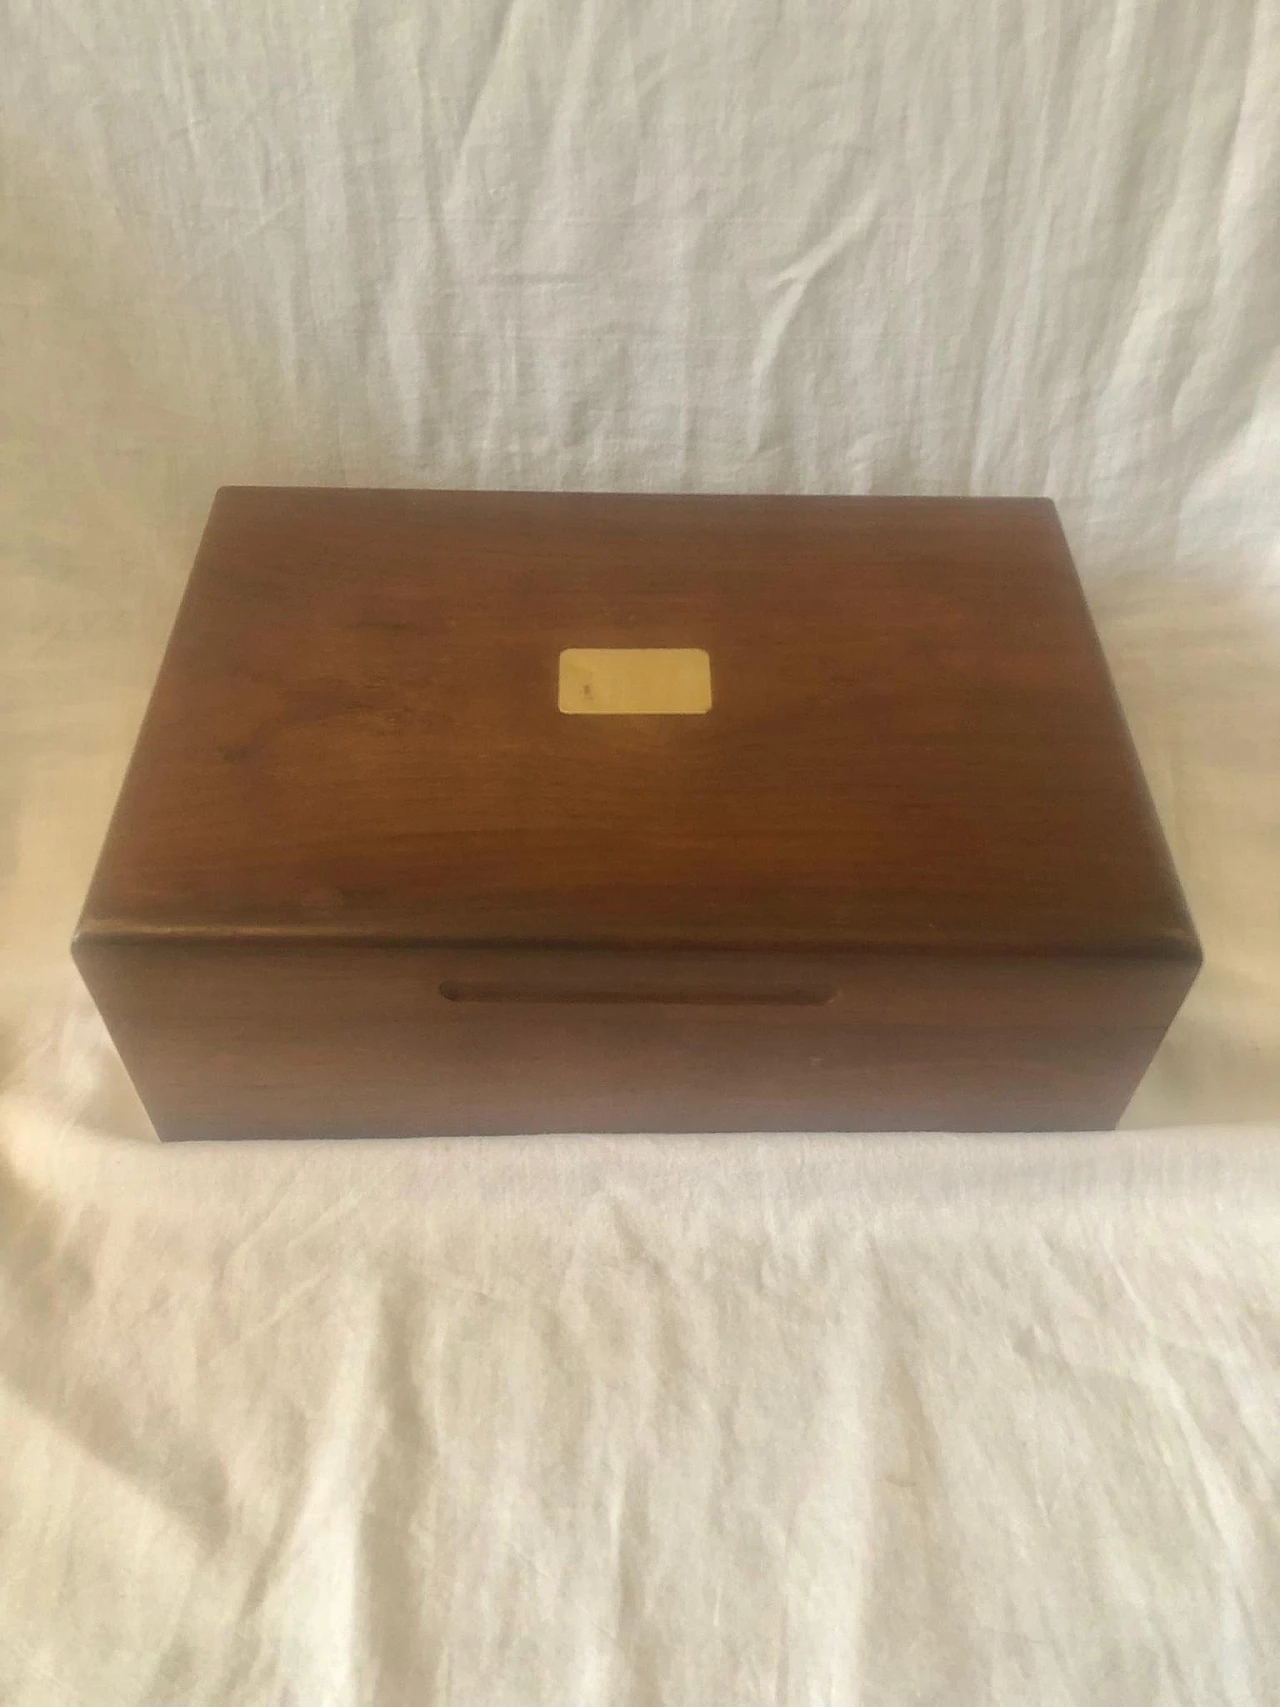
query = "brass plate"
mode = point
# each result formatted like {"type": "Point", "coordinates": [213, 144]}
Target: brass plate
{"type": "Point", "coordinates": [640, 681]}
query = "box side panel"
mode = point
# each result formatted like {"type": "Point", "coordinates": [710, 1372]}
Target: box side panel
{"type": "Point", "coordinates": [228, 1040]}
{"type": "Point", "coordinates": [1164, 883]}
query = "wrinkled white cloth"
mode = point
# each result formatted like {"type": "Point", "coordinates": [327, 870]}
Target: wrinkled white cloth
{"type": "Point", "coordinates": [789, 1421]}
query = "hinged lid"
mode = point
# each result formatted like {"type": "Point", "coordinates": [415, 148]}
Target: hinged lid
{"type": "Point", "coordinates": [883, 722]}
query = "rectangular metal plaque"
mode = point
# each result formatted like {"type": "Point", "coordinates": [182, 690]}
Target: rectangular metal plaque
{"type": "Point", "coordinates": [639, 681]}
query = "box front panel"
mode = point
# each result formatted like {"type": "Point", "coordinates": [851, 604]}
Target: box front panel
{"type": "Point", "coordinates": [306, 1039]}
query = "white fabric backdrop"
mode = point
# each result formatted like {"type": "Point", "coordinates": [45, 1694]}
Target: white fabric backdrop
{"type": "Point", "coordinates": [785, 1421]}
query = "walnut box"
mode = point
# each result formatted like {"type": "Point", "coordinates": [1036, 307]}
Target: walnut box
{"type": "Point", "coordinates": [500, 812]}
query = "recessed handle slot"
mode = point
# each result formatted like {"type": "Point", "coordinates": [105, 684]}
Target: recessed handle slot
{"type": "Point", "coordinates": [705, 996]}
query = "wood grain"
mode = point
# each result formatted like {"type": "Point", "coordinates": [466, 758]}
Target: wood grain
{"type": "Point", "coordinates": [355, 796]}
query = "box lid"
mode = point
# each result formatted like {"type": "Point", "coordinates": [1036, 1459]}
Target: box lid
{"type": "Point", "coordinates": [364, 726]}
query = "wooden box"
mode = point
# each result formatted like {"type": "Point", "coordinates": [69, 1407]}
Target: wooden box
{"type": "Point", "coordinates": [497, 812]}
